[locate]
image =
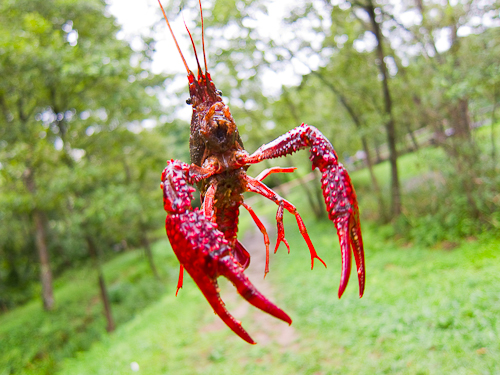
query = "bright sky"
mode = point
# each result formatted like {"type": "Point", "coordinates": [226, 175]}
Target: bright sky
{"type": "Point", "coordinates": [137, 16]}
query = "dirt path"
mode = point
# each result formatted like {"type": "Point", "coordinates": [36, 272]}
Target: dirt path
{"type": "Point", "coordinates": [264, 329]}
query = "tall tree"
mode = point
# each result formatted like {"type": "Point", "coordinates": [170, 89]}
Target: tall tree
{"type": "Point", "coordinates": [64, 76]}
{"type": "Point", "coordinates": [389, 125]}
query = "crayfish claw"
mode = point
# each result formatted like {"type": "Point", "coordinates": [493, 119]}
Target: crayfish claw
{"type": "Point", "coordinates": [339, 194]}
{"type": "Point", "coordinates": [229, 269]}
{"type": "Point", "coordinates": [205, 255]}
{"type": "Point", "coordinates": [203, 251]}
{"type": "Point", "coordinates": [342, 225]}
{"type": "Point", "coordinates": [342, 207]}
{"type": "Point", "coordinates": [210, 289]}
{"type": "Point", "coordinates": [357, 248]}
{"type": "Point", "coordinates": [180, 280]}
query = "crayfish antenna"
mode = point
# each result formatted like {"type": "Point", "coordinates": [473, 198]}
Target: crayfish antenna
{"type": "Point", "coordinates": [175, 40]}
{"type": "Point", "coordinates": [200, 72]}
{"type": "Point", "coordinates": [203, 41]}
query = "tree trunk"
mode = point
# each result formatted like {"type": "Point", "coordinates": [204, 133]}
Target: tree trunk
{"type": "Point", "coordinates": [318, 209]}
{"type": "Point", "coordinates": [107, 306]}
{"type": "Point", "coordinates": [412, 137]}
{"type": "Point", "coordinates": [378, 157]}
{"type": "Point", "coordinates": [493, 121]}
{"type": "Point", "coordinates": [320, 199]}
{"type": "Point", "coordinates": [102, 285]}
{"type": "Point", "coordinates": [43, 254]}
{"type": "Point", "coordinates": [389, 126]}
{"type": "Point", "coordinates": [40, 221]}
{"type": "Point", "coordinates": [459, 114]}
{"type": "Point", "coordinates": [149, 254]}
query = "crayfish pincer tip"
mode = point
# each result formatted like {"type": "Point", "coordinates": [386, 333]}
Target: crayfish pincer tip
{"type": "Point", "coordinates": [246, 337]}
{"type": "Point", "coordinates": [341, 292]}
{"type": "Point", "coordinates": [361, 292]}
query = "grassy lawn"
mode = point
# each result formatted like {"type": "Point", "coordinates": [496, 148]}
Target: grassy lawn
{"type": "Point", "coordinates": [34, 341]}
{"type": "Point", "coordinates": [425, 311]}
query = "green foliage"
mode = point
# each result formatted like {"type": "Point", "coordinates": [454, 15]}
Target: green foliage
{"type": "Point", "coordinates": [434, 92]}
{"type": "Point", "coordinates": [438, 206]}
{"type": "Point", "coordinates": [71, 107]}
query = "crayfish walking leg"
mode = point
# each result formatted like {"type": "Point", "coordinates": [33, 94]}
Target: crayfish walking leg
{"type": "Point", "coordinates": [202, 249]}
{"type": "Point", "coordinates": [338, 192]}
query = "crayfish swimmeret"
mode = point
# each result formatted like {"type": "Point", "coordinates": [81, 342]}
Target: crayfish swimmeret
{"type": "Point", "coordinates": [205, 240]}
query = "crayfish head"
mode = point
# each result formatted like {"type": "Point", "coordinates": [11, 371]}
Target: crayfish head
{"type": "Point", "coordinates": [219, 129]}
{"type": "Point", "coordinates": [202, 91]}
{"type": "Point", "coordinates": [212, 127]}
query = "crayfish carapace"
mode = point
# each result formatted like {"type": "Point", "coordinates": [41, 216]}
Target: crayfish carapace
{"type": "Point", "coordinates": [205, 240]}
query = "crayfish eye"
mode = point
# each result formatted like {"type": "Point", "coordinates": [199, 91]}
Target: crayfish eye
{"type": "Point", "coordinates": [189, 101]}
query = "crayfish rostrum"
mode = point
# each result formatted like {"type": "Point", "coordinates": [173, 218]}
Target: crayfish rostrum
{"type": "Point", "coordinates": [205, 240]}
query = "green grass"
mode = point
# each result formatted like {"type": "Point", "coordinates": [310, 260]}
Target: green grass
{"type": "Point", "coordinates": [425, 311]}
{"type": "Point", "coordinates": [34, 341]}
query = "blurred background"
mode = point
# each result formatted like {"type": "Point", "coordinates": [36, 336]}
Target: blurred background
{"type": "Point", "coordinates": [92, 104]}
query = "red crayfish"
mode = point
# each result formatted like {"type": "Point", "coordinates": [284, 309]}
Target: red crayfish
{"type": "Point", "coordinates": [205, 240]}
